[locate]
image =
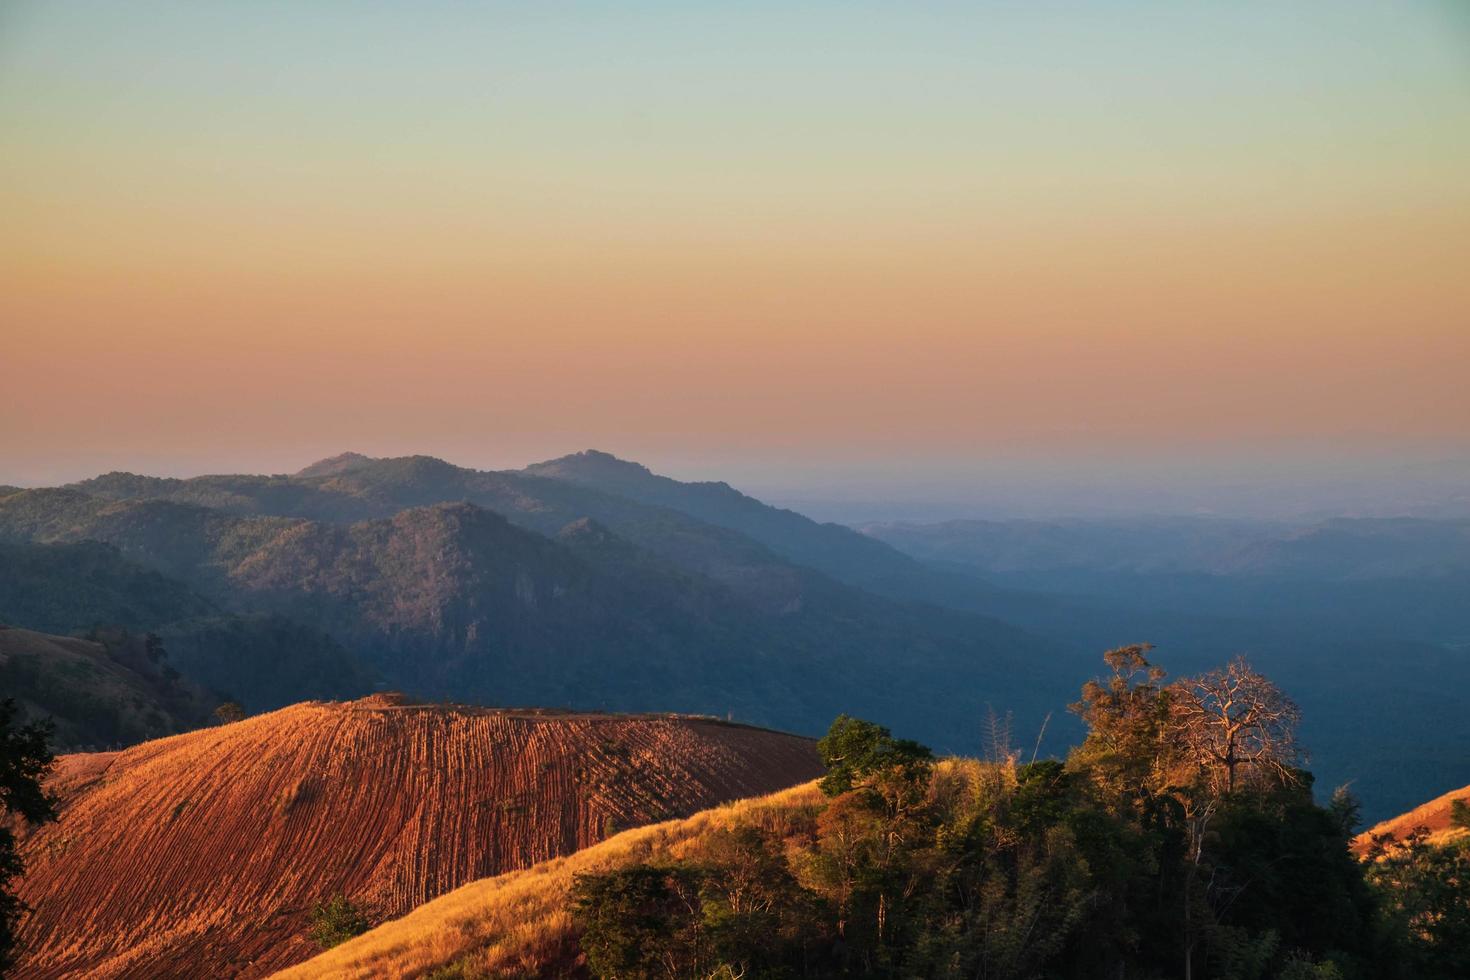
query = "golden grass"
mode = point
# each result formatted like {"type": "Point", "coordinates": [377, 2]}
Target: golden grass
{"type": "Point", "coordinates": [1433, 816]}
{"type": "Point", "coordinates": [202, 854]}
{"type": "Point", "coordinates": [516, 924]}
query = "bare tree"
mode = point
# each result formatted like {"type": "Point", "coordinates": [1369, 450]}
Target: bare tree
{"type": "Point", "coordinates": [1235, 725]}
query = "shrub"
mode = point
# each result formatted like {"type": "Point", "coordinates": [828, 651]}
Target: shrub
{"type": "Point", "coordinates": [335, 921]}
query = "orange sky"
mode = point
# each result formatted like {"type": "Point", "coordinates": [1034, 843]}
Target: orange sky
{"type": "Point", "coordinates": [269, 239]}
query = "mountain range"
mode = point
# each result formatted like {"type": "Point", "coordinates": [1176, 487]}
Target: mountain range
{"type": "Point", "coordinates": [589, 581]}
{"type": "Point", "coordinates": [562, 594]}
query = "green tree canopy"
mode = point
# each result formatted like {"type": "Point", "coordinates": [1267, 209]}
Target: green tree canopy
{"type": "Point", "coordinates": [855, 751]}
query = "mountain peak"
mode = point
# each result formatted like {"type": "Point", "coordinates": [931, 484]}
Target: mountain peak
{"type": "Point", "coordinates": [590, 462]}
{"type": "Point", "coordinates": [333, 465]}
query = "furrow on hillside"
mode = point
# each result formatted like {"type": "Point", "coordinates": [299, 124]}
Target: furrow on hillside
{"type": "Point", "coordinates": [203, 854]}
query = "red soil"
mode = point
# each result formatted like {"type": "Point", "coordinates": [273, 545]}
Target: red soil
{"type": "Point", "coordinates": [201, 854]}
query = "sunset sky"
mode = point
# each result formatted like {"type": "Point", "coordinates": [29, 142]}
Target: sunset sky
{"type": "Point", "coordinates": [730, 238]}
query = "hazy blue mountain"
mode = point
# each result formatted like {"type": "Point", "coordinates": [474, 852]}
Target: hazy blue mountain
{"type": "Point", "coordinates": [684, 591]}
{"type": "Point", "coordinates": [1365, 622]}
{"type": "Point", "coordinates": [841, 552]}
{"type": "Point", "coordinates": [454, 600]}
{"type": "Point", "coordinates": [353, 488]}
{"type": "Point", "coordinates": [1333, 550]}
{"type": "Point", "coordinates": [87, 586]}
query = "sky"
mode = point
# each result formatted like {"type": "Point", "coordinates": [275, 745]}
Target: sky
{"type": "Point", "coordinates": [770, 242]}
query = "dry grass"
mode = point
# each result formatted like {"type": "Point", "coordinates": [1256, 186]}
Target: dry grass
{"type": "Point", "coordinates": [516, 924]}
{"type": "Point", "coordinates": [201, 854]}
{"type": "Point", "coordinates": [1433, 816]}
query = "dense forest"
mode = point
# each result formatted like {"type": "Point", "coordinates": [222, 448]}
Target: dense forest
{"type": "Point", "coordinates": [1179, 839]}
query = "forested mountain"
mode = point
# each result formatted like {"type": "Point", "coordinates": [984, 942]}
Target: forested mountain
{"type": "Point", "coordinates": [354, 488]}
{"type": "Point", "coordinates": [112, 688]}
{"type": "Point", "coordinates": [454, 600]}
{"type": "Point", "coordinates": [62, 588]}
{"type": "Point", "coordinates": [608, 584]}
{"type": "Point", "coordinates": [87, 586]}
{"type": "Point", "coordinates": [839, 551]}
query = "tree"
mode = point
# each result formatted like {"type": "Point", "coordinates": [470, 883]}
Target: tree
{"type": "Point", "coordinates": [228, 712]}
{"type": "Point", "coordinates": [1125, 750]}
{"type": "Point", "coordinates": [643, 921]}
{"type": "Point", "coordinates": [1426, 894]}
{"type": "Point", "coordinates": [1460, 814]}
{"type": "Point", "coordinates": [856, 753]}
{"type": "Point", "coordinates": [1235, 723]}
{"type": "Point", "coordinates": [25, 761]}
{"type": "Point", "coordinates": [1231, 726]}
{"type": "Point", "coordinates": [758, 917]}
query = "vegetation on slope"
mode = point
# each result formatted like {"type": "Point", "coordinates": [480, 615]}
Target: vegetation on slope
{"type": "Point", "coordinates": [838, 551]}
{"type": "Point", "coordinates": [64, 588]}
{"type": "Point", "coordinates": [89, 588]}
{"type": "Point", "coordinates": [108, 689]}
{"type": "Point", "coordinates": [1440, 821]}
{"type": "Point", "coordinates": [520, 924]}
{"type": "Point", "coordinates": [364, 489]}
{"type": "Point", "coordinates": [25, 761]}
{"type": "Point", "coordinates": [204, 854]}
{"type": "Point", "coordinates": [454, 600]}
{"type": "Point", "coordinates": [1179, 839]}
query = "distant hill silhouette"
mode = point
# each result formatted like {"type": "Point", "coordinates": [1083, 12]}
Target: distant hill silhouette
{"type": "Point", "coordinates": [695, 596]}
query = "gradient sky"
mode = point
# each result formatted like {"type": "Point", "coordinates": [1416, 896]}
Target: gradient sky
{"type": "Point", "coordinates": [245, 235]}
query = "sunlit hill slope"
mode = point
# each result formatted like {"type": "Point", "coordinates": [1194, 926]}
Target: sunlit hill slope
{"type": "Point", "coordinates": [517, 924]}
{"type": "Point", "coordinates": [1435, 817]}
{"type": "Point", "coordinates": [202, 854]}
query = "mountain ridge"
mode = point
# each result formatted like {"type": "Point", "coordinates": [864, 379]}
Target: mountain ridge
{"type": "Point", "coordinates": [452, 599]}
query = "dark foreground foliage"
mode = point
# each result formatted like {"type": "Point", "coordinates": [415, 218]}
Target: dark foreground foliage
{"type": "Point", "coordinates": [1181, 839]}
{"type": "Point", "coordinates": [25, 760]}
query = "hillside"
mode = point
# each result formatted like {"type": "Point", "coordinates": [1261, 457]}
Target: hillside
{"type": "Point", "coordinates": [62, 588]}
{"type": "Point", "coordinates": [114, 689]}
{"type": "Point", "coordinates": [1434, 816]}
{"type": "Point", "coordinates": [453, 600]}
{"type": "Point", "coordinates": [517, 924]}
{"type": "Point", "coordinates": [201, 854]}
{"type": "Point", "coordinates": [757, 551]}
{"type": "Point", "coordinates": [352, 488]}
{"type": "Point", "coordinates": [78, 586]}
{"type": "Point", "coordinates": [836, 550]}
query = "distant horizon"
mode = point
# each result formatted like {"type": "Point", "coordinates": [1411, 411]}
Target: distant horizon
{"type": "Point", "coordinates": [1285, 486]}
